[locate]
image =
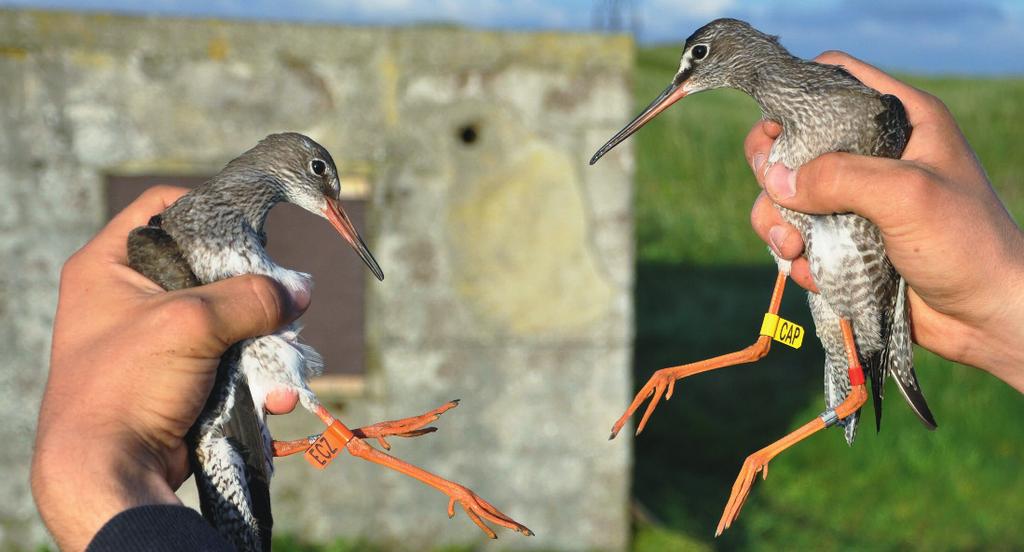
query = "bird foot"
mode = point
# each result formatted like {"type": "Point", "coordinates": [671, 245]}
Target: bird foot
{"type": "Point", "coordinates": [475, 507]}
{"type": "Point", "coordinates": [663, 382]}
{"type": "Point", "coordinates": [406, 427]}
{"type": "Point", "coordinates": [754, 464]}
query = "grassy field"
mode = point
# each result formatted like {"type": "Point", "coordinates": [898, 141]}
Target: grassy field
{"type": "Point", "coordinates": [703, 281]}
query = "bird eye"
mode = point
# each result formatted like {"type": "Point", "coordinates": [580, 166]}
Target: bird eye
{"type": "Point", "coordinates": [318, 167]}
{"type": "Point", "coordinates": [699, 51]}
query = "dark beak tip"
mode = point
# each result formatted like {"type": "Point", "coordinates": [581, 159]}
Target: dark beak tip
{"type": "Point", "coordinates": [378, 272]}
{"type": "Point", "coordinates": [375, 268]}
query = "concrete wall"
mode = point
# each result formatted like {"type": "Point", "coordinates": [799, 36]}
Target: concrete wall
{"type": "Point", "coordinates": [509, 262]}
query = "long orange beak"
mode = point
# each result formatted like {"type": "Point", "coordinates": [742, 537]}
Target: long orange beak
{"type": "Point", "coordinates": [669, 96]}
{"type": "Point", "coordinates": [340, 221]}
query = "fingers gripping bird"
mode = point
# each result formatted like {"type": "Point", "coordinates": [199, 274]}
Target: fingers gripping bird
{"type": "Point", "coordinates": [216, 232]}
{"type": "Point", "coordinates": [861, 313]}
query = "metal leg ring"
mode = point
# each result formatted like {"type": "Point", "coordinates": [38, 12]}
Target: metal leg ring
{"type": "Point", "coordinates": [829, 417]}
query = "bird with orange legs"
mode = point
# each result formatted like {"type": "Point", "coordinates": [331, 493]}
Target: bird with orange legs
{"type": "Point", "coordinates": [216, 232]}
{"type": "Point", "coordinates": [861, 313]}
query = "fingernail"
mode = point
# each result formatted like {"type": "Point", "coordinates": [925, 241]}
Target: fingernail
{"type": "Point", "coordinates": [757, 161]}
{"type": "Point", "coordinates": [780, 182]}
{"type": "Point", "coordinates": [777, 236]}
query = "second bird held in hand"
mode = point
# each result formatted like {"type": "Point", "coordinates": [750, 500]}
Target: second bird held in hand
{"type": "Point", "coordinates": [861, 313]}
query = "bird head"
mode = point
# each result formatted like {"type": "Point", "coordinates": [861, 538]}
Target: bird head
{"type": "Point", "coordinates": [307, 177]}
{"type": "Point", "coordinates": [725, 53]}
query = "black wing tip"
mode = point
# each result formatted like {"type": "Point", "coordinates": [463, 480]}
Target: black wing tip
{"type": "Point", "coordinates": [918, 403]}
{"type": "Point", "coordinates": [928, 420]}
{"type": "Point", "coordinates": [876, 400]}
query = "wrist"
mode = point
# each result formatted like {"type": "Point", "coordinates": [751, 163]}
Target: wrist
{"type": "Point", "coordinates": [1000, 352]}
{"type": "Point", "coordinates": [81, 482]}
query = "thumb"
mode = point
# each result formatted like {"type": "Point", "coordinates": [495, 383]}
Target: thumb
{"type": "Point", "coordinates": [246, 306]}
{"type": "Point", "coordinates": [880, 189]}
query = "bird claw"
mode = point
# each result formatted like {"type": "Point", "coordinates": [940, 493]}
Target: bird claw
{"type": "Point", "coordinates": [755, 463]}
{"type": "Point", "coordinates": [406, 427]}
{"type": "Point", "coordinates": [662, 382]}
{"type": "Point", "coordinates": [477, 508]}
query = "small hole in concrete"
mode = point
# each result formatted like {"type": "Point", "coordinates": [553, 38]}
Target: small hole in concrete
{"type": "Point", "coordinates": [469, 133]}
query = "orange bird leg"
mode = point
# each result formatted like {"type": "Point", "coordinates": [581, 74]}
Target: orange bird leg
{"type": "Point", "coordinates": [406, 427]}
{"type": "Point", "coordinates": [665, 379]}
{"type": "Point", "coordinates": [758, 462]}
{"type": "Point", "coordinates": [475, 507]}
{"type": "Point", "coordinates": [288, 448]}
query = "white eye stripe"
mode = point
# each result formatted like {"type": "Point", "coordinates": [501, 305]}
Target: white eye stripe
{"type": "Point", "coordinates": [685, 62]}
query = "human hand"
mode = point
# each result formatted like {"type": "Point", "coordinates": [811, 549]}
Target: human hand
{"type": "Point", "coordinates": [944, 228]}
{"type": "Point", "coordinates": [130, 369]}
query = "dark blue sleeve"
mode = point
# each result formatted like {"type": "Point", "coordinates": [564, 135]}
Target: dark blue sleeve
{"type": "Point", "coordinates": [158, 528]}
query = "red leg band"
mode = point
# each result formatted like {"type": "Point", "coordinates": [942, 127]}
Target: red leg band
{"type": "Point", "coordinates": [856, 375]}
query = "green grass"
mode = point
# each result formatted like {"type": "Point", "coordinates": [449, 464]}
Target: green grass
{"type": "Point", "coordinates": [703, 280]}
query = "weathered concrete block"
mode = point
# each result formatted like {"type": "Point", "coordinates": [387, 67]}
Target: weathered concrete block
{"type": "Point", "coordinates": [509, 262]}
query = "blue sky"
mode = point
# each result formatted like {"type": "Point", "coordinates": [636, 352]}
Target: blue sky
{"type": "Point", "coordinates": [923, 36]}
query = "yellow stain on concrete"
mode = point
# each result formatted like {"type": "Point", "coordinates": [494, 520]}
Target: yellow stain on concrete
{"type": "Point", "coordinates": [13, 52]}
{"type": "Point", "coordinates": [520, 240]}
{"type": "Point", "coordinates": [576, 55]}
{"type": "Point", "coordinates": [389, 72]}
{"type": "Point", "coordinates": [92, 58]}
{"type": "Point", "coordinates": [217, 48]}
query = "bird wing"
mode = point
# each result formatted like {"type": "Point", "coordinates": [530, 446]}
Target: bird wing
{"type": "Point", "coordinates": [898, 358]}
{"type": "Point", "coordinates": [229, 418]}
{"type": "Point", "coordinates": [894, 128]}
{"type": "Point", "coordinates": [153, 253]}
